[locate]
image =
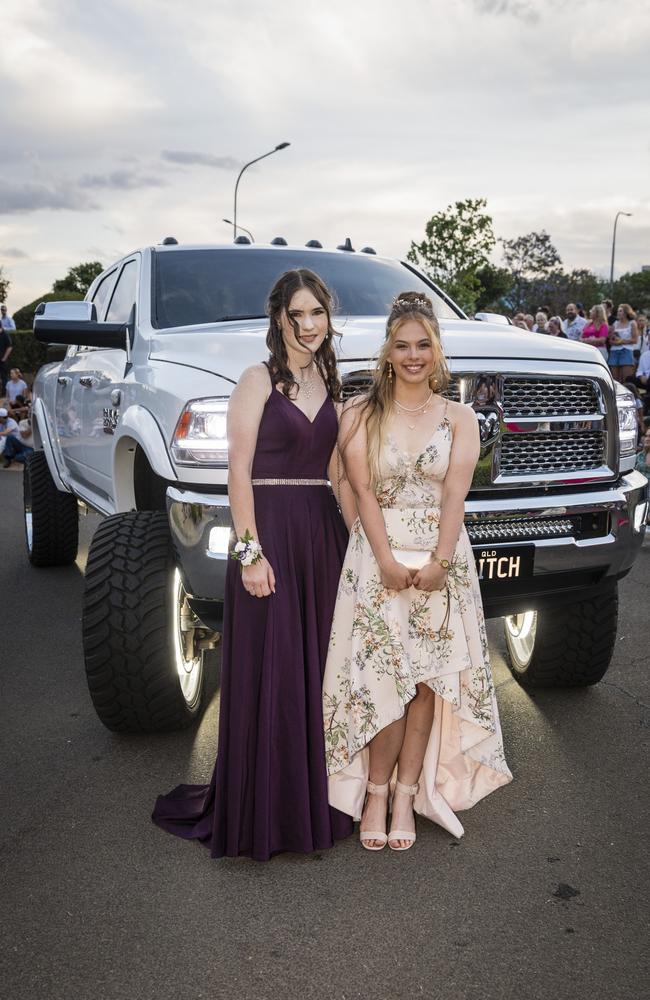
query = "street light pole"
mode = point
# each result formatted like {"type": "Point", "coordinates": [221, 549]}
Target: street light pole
{"type": "Point", "coordinates": [611, 270]}
{"type": "Point", "coordinates": [282, 145]}
{"type": "Point", "coordinates": [230, 223]}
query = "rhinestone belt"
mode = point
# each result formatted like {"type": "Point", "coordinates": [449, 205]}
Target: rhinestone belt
{"type": "Point", "coordinates": [290, 482]}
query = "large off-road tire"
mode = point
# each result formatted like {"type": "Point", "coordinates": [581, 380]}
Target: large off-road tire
{"type": "Point", "coordinates": [51, 517]}
{"type": "Point", "coordinates": [141, 674]}
{"type": "Point", "coordinates": [568, 646]}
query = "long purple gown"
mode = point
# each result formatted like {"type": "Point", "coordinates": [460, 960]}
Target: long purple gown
{"type": "Point", "coordinates": [268, 791]}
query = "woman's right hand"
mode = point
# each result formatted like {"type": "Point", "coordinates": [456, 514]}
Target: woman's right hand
{"type": "Point", "coordinates": [258, 579]}
{"type": "Point", "coordinates": [395, 576]}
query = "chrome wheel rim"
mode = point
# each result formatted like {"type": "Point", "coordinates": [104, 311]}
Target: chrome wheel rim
{"type": "Point", "coordinates": [520, 633]}
{"type": "Point", "coordinates": [187, 661]}
{"type": "Point", "coordinates": [29, 523]}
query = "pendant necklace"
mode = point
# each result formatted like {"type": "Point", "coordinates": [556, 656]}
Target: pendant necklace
{"type": "Point", "coordinates": [419, 410]}
{"type": "Point", "coordinates": [306, 385]}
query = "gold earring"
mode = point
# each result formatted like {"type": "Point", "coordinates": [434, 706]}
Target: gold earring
{"type": "Point", "coordinates": [390, 371]}
{"type": "Point", "coordinates": [433, 382]}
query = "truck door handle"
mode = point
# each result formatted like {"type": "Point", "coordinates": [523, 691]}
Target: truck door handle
{"type": "Point", "coordinates": [62, 380]}
{"type": "Point", "coordinates": [87, 381]}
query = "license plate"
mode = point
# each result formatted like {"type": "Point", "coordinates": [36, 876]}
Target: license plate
{"type": "Point", "coordinates": [499, 563]}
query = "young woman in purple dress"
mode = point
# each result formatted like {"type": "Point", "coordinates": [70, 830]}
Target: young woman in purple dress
{"type": "Point", "coordinates": [269, 787]}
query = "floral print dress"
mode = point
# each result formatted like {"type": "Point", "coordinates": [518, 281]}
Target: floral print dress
{"type": "Point", "coordinates": [383, 643]}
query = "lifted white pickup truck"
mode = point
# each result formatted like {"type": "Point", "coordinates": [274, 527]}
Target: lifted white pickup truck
{"type": "Point", "coordinates": [131, 423]}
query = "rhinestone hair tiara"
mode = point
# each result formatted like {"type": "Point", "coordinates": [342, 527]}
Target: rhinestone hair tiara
{"type": "Point", "coordinates": [411, 305]}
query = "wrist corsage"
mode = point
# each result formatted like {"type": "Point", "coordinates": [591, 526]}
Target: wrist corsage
{"type": "Point", "coordinates": [247, 550]}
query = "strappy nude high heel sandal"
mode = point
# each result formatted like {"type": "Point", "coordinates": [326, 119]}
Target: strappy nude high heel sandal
{"type": "Point", "coordinates": [382, 792]}
{"type": "Point", "coordinates": [403, 834]}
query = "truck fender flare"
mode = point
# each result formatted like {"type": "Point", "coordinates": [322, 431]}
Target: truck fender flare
{"type": "Point", "coordinates": [44, 437]}
{"type": "Point", "coordinates": [137, 424]}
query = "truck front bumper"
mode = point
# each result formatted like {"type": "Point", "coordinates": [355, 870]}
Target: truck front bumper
{"type": "Point", "coordinates": [564, 568]}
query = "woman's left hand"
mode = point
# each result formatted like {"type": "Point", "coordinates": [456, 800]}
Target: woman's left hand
{"type": "Point", "coordinates": [430, 577]}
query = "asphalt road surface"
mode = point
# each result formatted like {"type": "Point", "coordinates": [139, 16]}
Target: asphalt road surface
{"type": "Point", "coordinates": [545, 896]}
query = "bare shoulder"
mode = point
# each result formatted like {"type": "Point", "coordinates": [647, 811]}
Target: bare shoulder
{"type": "Point", "coordinates": [461, 415]}
{"type": "Point", "coordinates": [256, 375]}
{"type": "Point", "coordinates": [352, 412]}
{"type": "Point", "coordinates": [255, 381]}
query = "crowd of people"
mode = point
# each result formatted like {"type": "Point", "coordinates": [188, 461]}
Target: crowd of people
{"type": "Point", "coordinates": [16, 438]}
{"type": "Point", "coordinates": [623, 339]}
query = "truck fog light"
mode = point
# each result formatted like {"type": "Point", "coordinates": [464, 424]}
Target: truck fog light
{"type": "Point", "coordinates": [640, 515]}
{"type": "Point", "coordinates": [218, 541]}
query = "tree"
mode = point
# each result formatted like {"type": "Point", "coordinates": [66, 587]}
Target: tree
{"type": "Point", "coordinates": [4, 287]}
{"type": "Point", "coordinates": [79, 278]}
{"type": "Point", "coordinates": [496, 283]}
{"type": "Point", "coordinates": [458, 243]}
{"type": "Point", "coordinates": [633, 288]}
{"type": "Point", "coordinates": [531, 259]}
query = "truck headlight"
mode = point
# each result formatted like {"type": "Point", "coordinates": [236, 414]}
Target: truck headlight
{"type": "Point", "coordinates": [200, 435]}
{"type": "Point", "coordinates": [627, 421]}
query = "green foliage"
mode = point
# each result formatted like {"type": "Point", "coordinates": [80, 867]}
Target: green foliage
{"type": "Point", "coordinates": [79, 278]}
{"type": "Point", "coordinates": [496, 283]}
{"type": "Point", "coordinates": [27, 353]}
{"type": "Point", "coordinates": [633, 288]}
{"type": "Point", "coordinates": [24, 318]}
{"type": "Point", "coordinates": [530, 259]}
{"type": "Point", "coordinates": [560, 287]}
{"type": "Point", "coordinates": [4, 287]}
{"type": "Point", "coordinates": [458, 242]}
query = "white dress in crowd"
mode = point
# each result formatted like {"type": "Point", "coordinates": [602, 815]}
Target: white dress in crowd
{"type": "Point", "coordinates": [384, 642]}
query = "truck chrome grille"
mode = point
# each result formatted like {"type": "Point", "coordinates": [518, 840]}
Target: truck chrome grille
{"type": "Point", "coordinates": [530, 397]}
{"type": "Point", "coordinates": [570, 438]}
{"type": "Point", "coordinates": [536, 454]}
{"type": "Point", "coordinates": [358, 382]}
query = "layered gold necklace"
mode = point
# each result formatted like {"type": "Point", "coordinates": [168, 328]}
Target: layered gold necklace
{"type": "Point", "coordinates": [417, 411]}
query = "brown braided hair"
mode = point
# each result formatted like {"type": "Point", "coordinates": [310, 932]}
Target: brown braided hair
{"type": "Point", "coordinates": [325, 359]}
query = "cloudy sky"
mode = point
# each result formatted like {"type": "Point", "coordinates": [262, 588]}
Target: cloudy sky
{"type": "Point", "coordinates": [126, 121]}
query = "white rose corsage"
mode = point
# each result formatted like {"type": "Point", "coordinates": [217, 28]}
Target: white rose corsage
{"type": "Point", "coordinates": [247, 550]}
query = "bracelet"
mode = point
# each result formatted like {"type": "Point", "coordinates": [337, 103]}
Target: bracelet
{"type": "Point", "coordinates": [247, 550]}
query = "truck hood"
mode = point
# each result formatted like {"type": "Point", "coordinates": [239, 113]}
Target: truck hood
{"type": "Point", "coordinates": [227, 348]}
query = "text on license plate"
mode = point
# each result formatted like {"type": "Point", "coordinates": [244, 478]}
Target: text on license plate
{"type": "Point", "coordinates": [494, 563]}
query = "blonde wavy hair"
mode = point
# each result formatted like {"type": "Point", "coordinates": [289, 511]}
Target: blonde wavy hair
{"type": "Point", "coordinates": [375, 406]}
{"type": "Point", "coordinates": [598, 315]}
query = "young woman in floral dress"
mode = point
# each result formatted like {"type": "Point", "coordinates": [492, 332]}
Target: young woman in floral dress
{"type": "Point", "coordinates": [408, 695]}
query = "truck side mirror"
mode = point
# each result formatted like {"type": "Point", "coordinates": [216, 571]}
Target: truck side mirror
{"type": "Point", "coordinates": [76, 323]}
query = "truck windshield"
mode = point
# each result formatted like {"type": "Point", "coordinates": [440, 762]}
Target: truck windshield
{"type": "Point", "coordinates": [211, 286]}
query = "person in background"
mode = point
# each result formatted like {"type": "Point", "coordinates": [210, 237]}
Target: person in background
{"type": "Point", "coordinates": [643, 458]}
{"type": "Point", "coordinates": [21, 407]}
{"type": "Point", "coordinates": [554, 328]}
{"type": "Point", "coordinates": [608, 306]}
{"type": "Point", "coordinates": [6, 322]}
{"type": "Point", "coordinates": [7, 426]}
{"type": "Point", "coordinates": [20, 444]}
{"type": "Point", "coordinates": [529, 320]}
{"type": "Point", "coordinates": [520, 321]}
{"type": "Point", "coordinates": [596, 331]}
{"type": "Point", "coordinates": [621, 343]}
{"type": "Point", "coordinates": [642, 379]}
{"type": "Point", "coordinates": [639, 409]}
{"type": "Point", "coordinates": [6, 347]}
{"type": "Point", "coordinates": [541, 320]}
{"type": "Point", "coordinates": [642, 327]}
{"type": "Point", "coordinates": [16, 385]}
{"type": "Point", "coordinates": [581, 309]}
{"type": "Point", "coordinates": [574, 324]}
